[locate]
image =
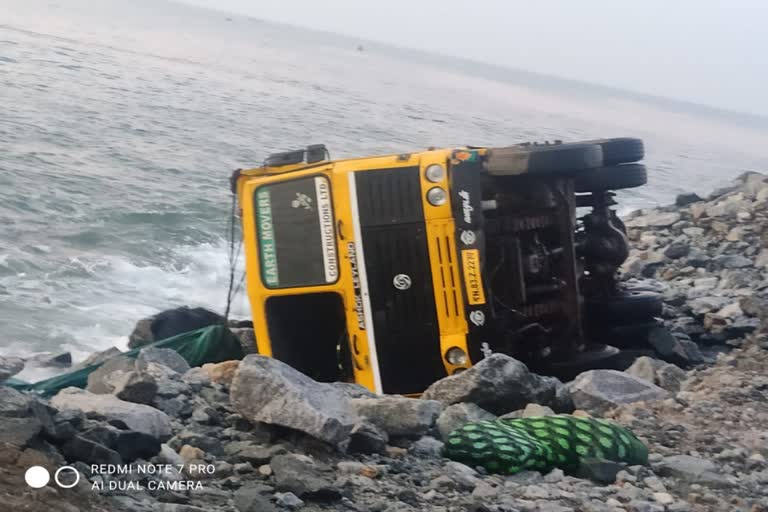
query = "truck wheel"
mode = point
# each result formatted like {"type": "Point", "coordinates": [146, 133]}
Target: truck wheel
{"type": "Point", "coordinates": [626, 306]}
{"type": "Point", "coordinates": [543, 159]}
{"type": "Point", "coordinates": [621, 150]}
{"type": "Point", "coordinates": [613, 177]}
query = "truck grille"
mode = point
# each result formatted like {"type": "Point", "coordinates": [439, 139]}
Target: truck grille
{"type": "Point", "coordinates": [395, 242]}
{"type": "Point", "coordinates": [447, 283]}
{"type": "Point", "coordinates": [389, 196]}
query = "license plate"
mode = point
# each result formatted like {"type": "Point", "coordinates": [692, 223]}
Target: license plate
{"type": "Point", "coordinates": [470, 260]}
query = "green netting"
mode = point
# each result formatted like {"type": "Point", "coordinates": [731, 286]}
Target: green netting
{"type": "Point", "coordinates": [508, 446]}
{"type": "Point", "coordinates": [212, 344]}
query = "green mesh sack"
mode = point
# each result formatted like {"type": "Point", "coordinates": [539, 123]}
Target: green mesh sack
{"type": "Point", "coordinates": [542, 443]}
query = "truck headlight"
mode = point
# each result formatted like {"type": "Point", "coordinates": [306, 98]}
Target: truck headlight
{"type": "Point", "coordinates": [437, 196]}
{"type": "Point", "coordinates": [435, 173]}
{"type": "Point", "coordinates": [456, 356]}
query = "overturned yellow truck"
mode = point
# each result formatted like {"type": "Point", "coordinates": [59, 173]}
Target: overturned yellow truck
{"type": "Point", "coordinates": [395, 271]}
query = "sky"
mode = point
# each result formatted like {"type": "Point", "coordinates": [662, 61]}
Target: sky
{"type": "Point", "coordinates": [712, 52]}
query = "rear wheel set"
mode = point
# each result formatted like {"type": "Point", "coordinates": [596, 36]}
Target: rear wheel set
{"type": "Point", "coordinates": [596, 165]}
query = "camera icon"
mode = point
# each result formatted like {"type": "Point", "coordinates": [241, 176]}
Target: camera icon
{"type": "Point", "coordinates": [38, 477]}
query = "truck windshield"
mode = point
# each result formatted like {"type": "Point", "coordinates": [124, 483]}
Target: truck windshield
{"type": "Point", "coordinates": [296, 234]}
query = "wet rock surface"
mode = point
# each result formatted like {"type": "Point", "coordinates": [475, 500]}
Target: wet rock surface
{"type": "Point", "coordinates": [257, 436]}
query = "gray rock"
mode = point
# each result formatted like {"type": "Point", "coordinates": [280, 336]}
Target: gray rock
{"type": "Point", "coordinates": [599, 470]}
{"type": "Point", "coordinates": [703, 305]}
{"type": "Point", "coordinates": [171, 322]}
{"type": "Point", "coordinates": [537, 411]}
{"type": "Point", "coordinates": [137, 387]}
{"type": "Point", "coordinates": [169, 383]}
{"type": "Point", "coordinates": [498, 384]}
{"type": "Point", "coordinates": [687, 198]}
{"type": "Point", "coordinates": [208, 443]}
{"type": "Point", "coordinates": [258, 455]}
{"type": "Point", "coordinates": [705, 283]}
{"type": "Point", "coordinates": [23, 417]}
{"type": "Point", "coordinates": [304, 477]}
{"type": "Point", "coordinates": [19, 431]}
{"type": "Point", "coordinates": [251, 498]}
{"type": "Point", "coordinates": [132, 445]}
{"type": "Point", "coordinates": [48, 359]}
{"type": "Point", "coordinates": [366, 437]}
{"type": "Point", "coordinates": [269, 391]}
{"type": "Point", "coordinates": [657, 219]}
{"type": "Point", "coordinates": [645, 368]}
{"type": "Point", "coordinates": [168, 455]}
{"type": "Point", "coordinates": [178, 406]}
{"type": "Point", "coordinates": [105, 378]}
{"type": "Point", "coordinates": [97, 358]}
{"type": "Point", "coordinates": [670, 377]}
{"type": "Point", "coordinates": [399, 416]}
{"type": "Point", "coordinates": [163, 356]}
{"type": "Point", "coordinates": [142, 333]}
{"type": "Point", "coordinates": [288, 500]}
{"type": "Point", "coordinates": [247, 339]}
{"type": "Point", "coordinates": [677, 250]}
{"type": "Point", "coordinates": [196, 378]}
{"type": "Point", "coordinates": [137, 417]}
{"type": "Point", "coordinates": [90, 452]}
{"type": "Point", "coordinates": [675, 349]}
{"type": "Point", "coordinates": [353, 390]}
{"type": "Point", "coordinates": [599, 390]}
{"type": "Point", "coordinates": [427, 447]}
{"type": "Point", "coordinates": [644, 506]}
{"type": "Point", "coordinates": [690, 353]}
{"type": "Point", "coordinates": [457, 415]}
{"type": "Point", "coordinates": [692, 470]}
{"type": "Point", "coordinates": [554, 476]}
{"type": "Point", "coordinates": [697, 258]}
{"type": "Point", "coordinates": [465, 477]}
{"type": "Point", "coordinates": [10, 366]}
{"type": "Point", "coordinates": [733, 261]}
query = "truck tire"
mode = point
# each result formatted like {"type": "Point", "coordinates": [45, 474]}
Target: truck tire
{"type": "Point", "coordinates": [535, 159]}
{"type": "Point", "coordinates": [621, 150]}
{"type": "Point", "coordinates": [626, 306]}
{"type": "Point", "coordinates": [614, 177]}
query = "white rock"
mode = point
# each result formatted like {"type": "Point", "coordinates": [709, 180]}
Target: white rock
{"type": "Point", "coordinates": [732, 310]}
{"type": "Point", "coordinates": [139, 417]}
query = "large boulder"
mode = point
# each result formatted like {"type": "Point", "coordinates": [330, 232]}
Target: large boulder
{"type": "Point", "coordinates": [97, 358]}
{"type": "Point", "coordinates": [106, 377]}
{"type": "Point", "coordinates": [139, 417]}
{"type": "Point", "coordinates": [498, 383]}
{"type": "Point", "coordinates": [265, 390]}
{"type": "Point", "coordinates": [599, 390]}
{"type": "Point", "coordinates": [170, 323]}
{"type": "Point", "coordinates": [457, 415]}
{"type": "Point", "coordinates": [163, 356]}
{"type": "Point", "coordinates": [399, 416]}
{"type": "Point", "coordinates": [10, 366]}
{"type": "Point", "coordinates": [22, 417]}
{"type": "Point", "coordinates": [123, 377]}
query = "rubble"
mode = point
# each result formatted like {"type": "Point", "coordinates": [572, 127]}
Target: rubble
{"type": "Point", "coordinates": [269, 438]}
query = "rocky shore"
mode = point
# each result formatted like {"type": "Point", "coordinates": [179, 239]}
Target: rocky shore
{"type": "Point", "coordinates": [153, 434]}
